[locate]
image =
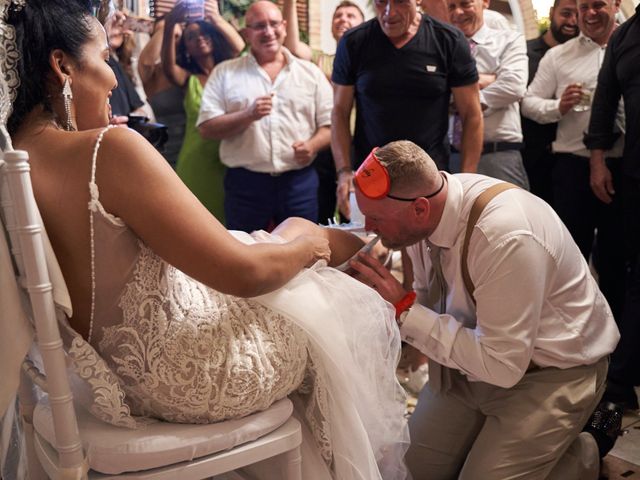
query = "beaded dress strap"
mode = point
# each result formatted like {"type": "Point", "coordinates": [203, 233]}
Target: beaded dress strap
{"type": "Point", "coordinates": [94, 205]}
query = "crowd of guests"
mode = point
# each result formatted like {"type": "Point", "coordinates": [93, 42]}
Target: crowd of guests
{"type": "Point", "coordinates": [287, 131]}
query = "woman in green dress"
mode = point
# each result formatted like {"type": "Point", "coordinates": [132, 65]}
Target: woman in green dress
{"type": "Point", "coordinates": [188, 57]}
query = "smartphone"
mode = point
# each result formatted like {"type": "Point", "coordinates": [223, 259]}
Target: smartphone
{"type": "Point", "coordinates": [138, 24]}
{"type": "Point", "coordinates": [159, 8]}
{"type": "Point", "coordinates": [195, 10]}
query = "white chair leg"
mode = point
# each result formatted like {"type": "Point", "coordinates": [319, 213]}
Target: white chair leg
{"type": "Point", "coordinates": [292, 464]}
{"type": "Point", "coordinates": [27, 400]}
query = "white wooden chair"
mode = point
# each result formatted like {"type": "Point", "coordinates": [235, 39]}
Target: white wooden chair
{"type": "Point", "coordinates": [65, 441]}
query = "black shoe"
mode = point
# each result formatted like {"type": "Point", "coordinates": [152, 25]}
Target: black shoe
{"type": "Point", "coordinates": [605, 424]}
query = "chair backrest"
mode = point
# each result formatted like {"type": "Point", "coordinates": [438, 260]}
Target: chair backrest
{"type": "Point", "coordinates": [25, 232]}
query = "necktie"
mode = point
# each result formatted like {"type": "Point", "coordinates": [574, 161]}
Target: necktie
{"type": "Point", "coordinates": [436, 298]}
{"type": "Point", "coordinates": [456, 127]}
{"type": "Point", "coordinates": [437, 293]}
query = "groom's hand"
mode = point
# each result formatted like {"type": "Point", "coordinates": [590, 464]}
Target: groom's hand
{"type": "Point", "coordinates": [373, 273]}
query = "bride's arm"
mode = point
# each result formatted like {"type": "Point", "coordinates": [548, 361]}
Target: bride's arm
{"type": "Point", "coordinates": [137, 185]}
{"type": "Point", "coordinates": [343, 244]}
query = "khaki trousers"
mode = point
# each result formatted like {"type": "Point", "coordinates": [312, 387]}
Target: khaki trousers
{"type": "Point", "coordinates": [477, 431]}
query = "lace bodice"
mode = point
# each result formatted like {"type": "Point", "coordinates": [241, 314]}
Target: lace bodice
{"type": "Point", "coordinates": [186, 353]}
{"type": "Point", "coordinates": [182, 351]}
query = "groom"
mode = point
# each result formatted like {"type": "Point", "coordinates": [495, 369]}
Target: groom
{"type": "Point", "coordinates": [517, 332]}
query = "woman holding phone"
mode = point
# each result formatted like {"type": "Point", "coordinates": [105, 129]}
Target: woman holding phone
{"type": "Point", "coordinates": [188, 57]}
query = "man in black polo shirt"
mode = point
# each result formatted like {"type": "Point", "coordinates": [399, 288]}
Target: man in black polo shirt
{"type": "Point", "coordinates": [401, 69]}
{"type": "Point", "coordinates": [620, 76]}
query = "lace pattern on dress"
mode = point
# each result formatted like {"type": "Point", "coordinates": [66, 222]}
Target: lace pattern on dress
{"type": "Point", "coordinates": [9, 80]}
{"type": "Point", "coordinates": [313, 395]}
{"type": "Point", "coordinates": [100, 392]}
{"type": "Point", "coordinates": [186, 353]}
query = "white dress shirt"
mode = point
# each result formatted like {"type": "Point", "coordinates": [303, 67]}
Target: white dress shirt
{"type": "Point", "coordinates": [576, 61]}
{"type": "Point", "coordinates": [302, 103]}
{"type": "Point", "coordinates": [536, 299]}
{"type": "Point", "coordinates": [503, 53]}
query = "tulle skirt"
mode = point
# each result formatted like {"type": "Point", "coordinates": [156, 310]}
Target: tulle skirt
{"type": "Point", "coordinates": [355, 346]}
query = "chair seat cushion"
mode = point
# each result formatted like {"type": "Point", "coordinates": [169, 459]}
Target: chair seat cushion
{"type": "Point", "coordinates": [115, 450]}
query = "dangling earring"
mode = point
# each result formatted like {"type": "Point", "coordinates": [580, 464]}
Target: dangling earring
{"type": "Point", "coordinates": [67, 95]}
{"type": "Point", "coordinates": [188, 57]}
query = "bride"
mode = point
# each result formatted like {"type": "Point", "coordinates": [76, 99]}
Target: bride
{"type": "Point", "coordinates": [199, 324]}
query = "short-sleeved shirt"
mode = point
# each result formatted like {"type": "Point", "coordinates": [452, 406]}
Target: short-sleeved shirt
{"type": "Point", "coordinates": [403, 93]}
{"type": "Point", "coordinates": [302, 102]}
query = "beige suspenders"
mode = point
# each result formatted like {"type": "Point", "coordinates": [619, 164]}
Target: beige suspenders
{"type": "Point", "coordinates": [476, 209]}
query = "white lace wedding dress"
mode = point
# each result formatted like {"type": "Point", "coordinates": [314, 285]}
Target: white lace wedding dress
{"type": "Point", "coordinates": [183, 352]}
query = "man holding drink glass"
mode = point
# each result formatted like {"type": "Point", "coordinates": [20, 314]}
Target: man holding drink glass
{"type": "Point", "coordinates": [562, 91]}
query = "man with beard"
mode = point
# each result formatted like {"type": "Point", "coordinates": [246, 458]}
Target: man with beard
{"type": "Point", "coordinates": [505, 307]}
{"type": "Point", "coordinates": [536, 155]}
{"type": "Point", "coordinates": [559, 92]}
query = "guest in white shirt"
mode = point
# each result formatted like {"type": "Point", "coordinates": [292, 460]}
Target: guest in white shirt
{"type": "Point", "coordinates": [519, 352]}
{"type": "Point", "coordinates": [554, 96]}
{"type": "Point", "coordinates": [501, 59]}
{"type": "Point", "coordinates": [272, 112]}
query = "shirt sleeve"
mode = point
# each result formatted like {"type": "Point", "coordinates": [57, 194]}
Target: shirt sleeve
{"type": "Point", "coordinates": [511, 76]}
{"type": "Point", "coordinates": [605, 104]}
{"type": "Point", "coordinates": [499, 349]}
{"type": "Point", "coordinates": [343, 71]}
{"type": "Point", "coordinates": [212, 103]}
{"type": "Point", "coordinates": [539, 102]}
{"type": "Point", "coordinates": [324, 100]}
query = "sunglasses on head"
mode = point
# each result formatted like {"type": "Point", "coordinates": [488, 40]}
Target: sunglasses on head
{"type": "Point", "coordinates": [372, 179]}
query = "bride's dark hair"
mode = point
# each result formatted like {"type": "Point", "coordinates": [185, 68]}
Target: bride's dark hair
{"type": "Point", "coordinates": [42, 26]}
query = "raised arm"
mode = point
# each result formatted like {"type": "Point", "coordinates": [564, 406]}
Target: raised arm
{"type": "Point", "coordinates": [172, 31]}
{"type": "Point", "coordinates": [149, 60]}
{"type": "Point", "coordinates": [217, 120]}
{"type": "Point", "coordinates": [540, 102]}
{"type": "Point", "coordinates": [292, 41]}
{"type": "Point", "coordinates": [179, 229]}
{"type": "Point", "coordinates": [213, 16]}
{"type": "Point", "coordinates": [467, 102]}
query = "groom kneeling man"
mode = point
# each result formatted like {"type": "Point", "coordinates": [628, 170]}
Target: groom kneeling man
{"type": "Point", "coordinates": [515, 327]}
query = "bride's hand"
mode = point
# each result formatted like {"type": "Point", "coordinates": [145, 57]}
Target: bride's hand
{"type": "Point", "coordinates": [317, 248]}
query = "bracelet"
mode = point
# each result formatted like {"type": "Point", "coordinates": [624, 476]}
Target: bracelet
{"type": "Point", "coordinates": [405, 303]}
{"type": "Point", "coordinates": [343, 170]}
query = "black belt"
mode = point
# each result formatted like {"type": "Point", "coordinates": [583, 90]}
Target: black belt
{"type": "Point", "coordinates": [492, 147]}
